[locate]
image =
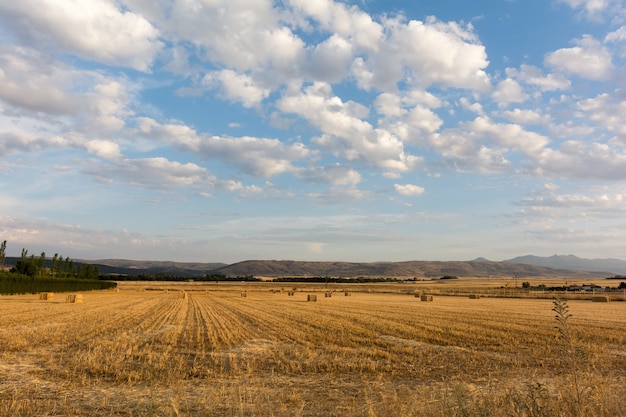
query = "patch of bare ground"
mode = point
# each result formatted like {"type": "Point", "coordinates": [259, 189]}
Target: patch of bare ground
{"type": "Point", "coordinates": [376, 353]}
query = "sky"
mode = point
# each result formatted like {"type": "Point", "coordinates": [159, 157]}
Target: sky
{"type": "Point", "coordinates": [313, 130]}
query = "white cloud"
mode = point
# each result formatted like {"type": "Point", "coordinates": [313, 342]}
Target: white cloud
{"type": "Point", "coordinates": [255, 156]}
{"type": "Point", "coordinates": [534, 76]}
{"type": "Point", "coordinates": [508, 91]}
{"type": "Point", "coordinates": [47, 97]}
{"type": "Point", "coordinates": [607, 113]}
{"type": "Point", "coordinates": [409, 189]}
{"type": "Point", "coordinates": [103, 148]}
{"type": "Point", "coordinates": [95, 30]}
{"type": "Point", "coordinates": [14, 142]}
{"type": "Point", "coordinates": [594, 9]}
{"type": "Point", "coordinates": [332, 174]}
{"type": "Point", "coordinates": [588, 59]}
{"type": "Point", "coordinates": [591, 205]}
{"type": "Point", "coordinates": [461, 150]}
{"type": "Point", "coordinates": [239, 34]}
{"type": "Point", "coordinates": [474, 107]}
{"type": "Point", "coordinates": [238, 87]}
{"type": "Point", "coordinates": [343, 132]}
{"type": "Point", "coordinates": [330, 60]}
{"type": "Point", "coordinates": [30, 81]}
{"type": "Point", "coordinates": [163, 174]}
{"type": "Point", "coordinates": [347, 21]}
{"type": "Point", "coordinates": [431, 52]}
{"type": "Point", "coordinates": [511, 136]}
{"type": "Point", "coordinates": [578, 159]}
{"type": "Point", "coordinates": [526, 117]}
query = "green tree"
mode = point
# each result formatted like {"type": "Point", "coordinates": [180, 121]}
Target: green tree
{"type": "Point", "coordinates": [25, 267]}
{"type": "Point", "coordinates": [54, 265]}
{"type": "Point", "coordinates": [3, 249]}
{"type": "Point", "coordinates": [41, 262]}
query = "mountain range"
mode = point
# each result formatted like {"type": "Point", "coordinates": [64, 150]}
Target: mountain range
{"type": "Point", "coordinates": [616, 266]}
{"type": "Point", "coordinates": [568, 266]}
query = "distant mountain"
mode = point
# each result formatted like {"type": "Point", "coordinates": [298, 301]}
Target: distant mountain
{"type": "Point", "coordinates": [410, 269]}
{"type": "Point", "coordinates": [130, 267]}
{"type": "Point", "coordinates": [608, 265]}
{"type": "Point", "coordinates": [525, 266]}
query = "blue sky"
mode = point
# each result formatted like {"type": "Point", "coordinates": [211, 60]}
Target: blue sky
{"type": "Point", "coordinates": [228, 130]}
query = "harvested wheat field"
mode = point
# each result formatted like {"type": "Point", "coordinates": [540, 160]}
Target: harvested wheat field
{"type": "Point", "coordinates": [216, 353]}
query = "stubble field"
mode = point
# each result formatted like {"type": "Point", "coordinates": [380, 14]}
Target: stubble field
{"type": "Point", "coordinates": [211, 351]}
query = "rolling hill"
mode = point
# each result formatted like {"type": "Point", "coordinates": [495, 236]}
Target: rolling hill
{"type": "Point", "coordinates": [608, 265]}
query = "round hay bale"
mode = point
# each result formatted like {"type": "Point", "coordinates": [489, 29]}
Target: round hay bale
{"type": "Point", "coordinates": [311, 297]}
{"type": "Point", "coordinates": [426, 297]}
{"type": "Point", "coordinates": [46, 296]}
{"type": "Point", "coordinates": [474, 296]}
{"type": "Point", "coordinates": [74, 298]}
{"type": "Point", "coordinates": [601, 299]}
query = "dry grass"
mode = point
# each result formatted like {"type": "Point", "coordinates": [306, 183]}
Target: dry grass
{"type": "Point", "coordinates": [379, 354]}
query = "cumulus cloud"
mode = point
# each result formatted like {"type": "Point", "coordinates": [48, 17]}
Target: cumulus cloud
{"type": "Point", "coordinates": [584, 206]}
{"type": "Point", "coordinates": [332, 174]}
{"type": "Point", "coordinates": [163, 174]}
{"type": "Point", "coordinates": [239, 34]}
{"type": "Point", "coordinates": [607, 113]}
{"type": "Point", "coordinates": [534, 76]}
{"type": "Point", "coordinates": [344, 133]}
{"type": "Point", "coordinates": [14, 142]}
{"type": "Point", "coordinates": [578, 159]}
{"type": "Point", "coordinates": [39, 89]}
{"type": "Point", "coordinates": [238, 87]}
{"type": "Point", "coordinates": [408, 189]}
{"type": "Point", "coordinates": [462, 151]}
{"type": "Point", "coordinates": [593, 9]}
{"type": "Point", "coordinates": [588, 59]}
{"type": "Point", "coordinates": [508, 91]}
{"type": "Point", "coordinates": [526, 116]}
{"type": "Point", "coordinates": [95, 30]}
{"type": "Point", "coordinates": [103, 148]}
{"type": "Point", "coordinates": [255, 156]}
{"type": "Point", "coordinates": [30, 81]}
{"type": "Point", "coordinates": [346, 21]}
{"type": "Point", "coordinates": [510, 136]}
{"type": "Point", "coordinates": [432, 52]}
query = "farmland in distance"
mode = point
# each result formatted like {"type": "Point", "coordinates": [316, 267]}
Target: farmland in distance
{"type": "Point", "coordinates": [191, 349]}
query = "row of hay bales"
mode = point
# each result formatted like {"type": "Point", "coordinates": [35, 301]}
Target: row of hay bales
{"type": "Point", "coordinates": [70, 298]}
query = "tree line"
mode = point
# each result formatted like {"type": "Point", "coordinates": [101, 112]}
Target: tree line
{"type": "Point", "coordinates": [40, 266]}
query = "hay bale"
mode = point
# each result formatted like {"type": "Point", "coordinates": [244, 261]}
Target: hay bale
{"type": "Point", "coordinates": [311, 297]}
{"type": "Point", "coordinates": [290, 293]}
{"type": "Point", "coordinates": [474, 296]}
{"type": "Point", "coordinates": [244, 293]}
{"type": "Point", "coordinates": [426, 297]}
{"type": "Point", "coordinates": [74, 298]}
{"type": "Point", "coordinates": [184, 294]}
{"type": "Point", "coordinates": [46, 296]}
{"type": "Point", "coordinates": [418, 295]}
{"type": "Point", "coordinates": [328, 294]}
{"type": "Point", "coordinates": [347, 294]}
{"type": "Point", "coordinates": [601, 299]}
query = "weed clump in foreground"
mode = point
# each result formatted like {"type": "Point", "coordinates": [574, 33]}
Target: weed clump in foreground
{"type": "Point", "coordinates": [571, 354]}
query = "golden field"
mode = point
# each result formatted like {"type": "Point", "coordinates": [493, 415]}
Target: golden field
{"type": "Point", "coordinates": [254, 350]}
